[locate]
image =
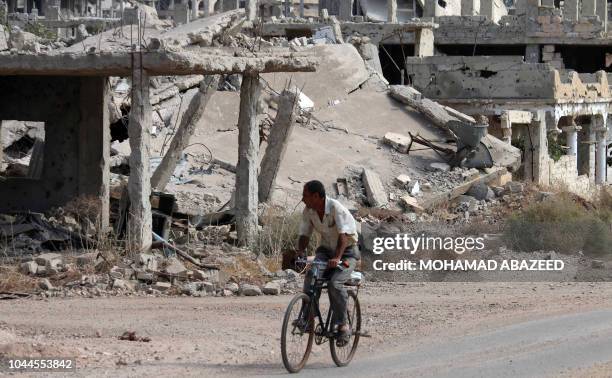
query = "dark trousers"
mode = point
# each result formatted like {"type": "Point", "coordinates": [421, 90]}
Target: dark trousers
{"type": "Point", "coordinates": [336, 290]}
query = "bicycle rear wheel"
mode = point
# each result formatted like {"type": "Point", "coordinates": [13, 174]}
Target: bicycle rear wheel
{"type": "Point", "coordinates": [343, 355]}
{"type": "Point", "coordinates": [296, 343]}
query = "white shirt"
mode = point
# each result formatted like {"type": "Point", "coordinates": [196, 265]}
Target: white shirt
{"type": "Point", "coordinates": [336, 220]}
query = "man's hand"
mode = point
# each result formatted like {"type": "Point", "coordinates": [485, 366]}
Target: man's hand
{"type": "Point", "coordinates": [333, 262]}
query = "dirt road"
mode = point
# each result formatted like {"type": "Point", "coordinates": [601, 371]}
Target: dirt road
{"type": "Point", "coordinates": [433, 329]}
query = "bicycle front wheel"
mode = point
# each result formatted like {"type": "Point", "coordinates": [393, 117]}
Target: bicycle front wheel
{"type": "Point", "coordinates": [296, 340]}
{"type": "Point", "coordinates": [344, 354]}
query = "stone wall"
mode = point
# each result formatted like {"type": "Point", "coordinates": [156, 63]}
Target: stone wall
{"type": "Point", "coordinates": [564, 175]}
{"type": "Point", "coordinates": [480, 77]}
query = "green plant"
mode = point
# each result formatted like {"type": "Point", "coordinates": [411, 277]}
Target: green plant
{"type": "Point", "coordinates": [555, 149]}
{"type": "Point", "coordinates": [40, 30]}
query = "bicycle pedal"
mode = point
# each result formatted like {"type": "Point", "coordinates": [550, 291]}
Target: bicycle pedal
{"type": "Point", "coordinates": [363, 334]}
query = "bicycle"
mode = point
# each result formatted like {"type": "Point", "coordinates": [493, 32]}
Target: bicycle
{"type": "Point", "coordinates": [295, 334]}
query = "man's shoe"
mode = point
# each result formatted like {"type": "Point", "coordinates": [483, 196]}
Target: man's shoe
{"type": "Point", "coordinates": [343, 337]}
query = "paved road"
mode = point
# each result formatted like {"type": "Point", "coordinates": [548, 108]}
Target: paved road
{"type": "Point", "coordinates": [546, 347]}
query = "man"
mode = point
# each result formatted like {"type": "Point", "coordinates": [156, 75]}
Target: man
{"type": "Point", "coordinates": [338, 247]}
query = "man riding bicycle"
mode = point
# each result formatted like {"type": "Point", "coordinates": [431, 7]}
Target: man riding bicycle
{"type": "Point", "coordinates": [338, 247]}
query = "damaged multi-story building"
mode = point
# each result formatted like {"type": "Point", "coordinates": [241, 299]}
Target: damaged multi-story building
{"type": "Point", "coordinates": [535, 70]}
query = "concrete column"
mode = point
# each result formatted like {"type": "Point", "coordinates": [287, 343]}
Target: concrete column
{"type": "Point", "coordinates": [139, 184]}
{"type": "Point", "coordinates": [206, 8]}
{"type": "Point", "coordinates": [94, 145]}
{"type": "Point", "coordinates": [189, 121]}
{"type": "Point", "coordinates": [600, 157]}
{"type": "Point", "coordinates": [571, 10]}
{"type": "Point", "coordinates": [536, 151]}
{"type": "Point", "coordinates": [589, 7]}
{"type": "Point", "coordinates": [194, 9]}
{"type": "Point", "coordinates": [429, 10]}
{"type": "Point", "coordinates": [506, 127]}
{"type": "Point", "coordinates": [181, 14]}
{"type": "Point", "coordinates": [277, 142]}
{"type": "Point", "coordinates": [602, 12]}
{"type": "Point", "coordinates": [532, 53]}
{"type": "Point", "coordinates": [345, 11]}
{"type": "Point", "coordinates": [301, 8]}
{"type": "Point", "coordinates": [470, 7]}
{"type": "Point", "coordinates": [251, 9]}
{"type": "Point", "coordinates": [248, 161]}
{"type": "Point", "coordinates": [586, 151]}
{"type": "Point", "coordinates": [572, 139]}
{"type": "Point", "coordinates": [392, 11]}
{"type": "Point", "coordinates": [424, 43]}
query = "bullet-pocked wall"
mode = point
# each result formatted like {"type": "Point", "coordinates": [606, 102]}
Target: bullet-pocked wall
{"type": "Point", "coordinates": [77, 140]}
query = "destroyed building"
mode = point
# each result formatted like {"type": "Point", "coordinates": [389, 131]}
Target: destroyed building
{"type": "Point", "coordinates": [521, 85]}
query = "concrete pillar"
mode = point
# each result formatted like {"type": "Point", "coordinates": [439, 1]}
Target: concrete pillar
{"type": "Point", "coordinates": [586, 151]}
{"type": "Point", "coordinates": [470, 7]}
{"type": "Point", "coordinates": [571, 133]}
{"type": "Point", "coordinates": [94, 144]}
{"type": "Point", "coordinates": [248, 161]}
{"type": "Point", "coordinates": [194, 9]}
{"type": "Point", "coordinates": [506, 127]}
{"type": "Point", "coordinates": [277, 143]}
{"type": "Point", "coordinates": [424, 43]}
{"type": "Point", "coordinates": [301, 8]}
{"type": "Point", "coordinates": [345, 13]}
{"type": "Point", "coordinates": [189, 121]}
{"type": "Point", "coordinates": [392, 11]}
{"type": "Point", "coordinates": [589, 7]}
{"type": "Point", "coordinates": [487, 9]}
{"type": "Point", "coordinates": [536, 151]}
{"type": "Point", "coordinates": [602, 12]}
{"type": "Point", "coordinates": [139, 184]}
{"type": "Point", "coordinates": [600, 157]}
{"type": "Point", "coordinates": [532, 53]}
{"type": "Point", "coordinates": [429, 10]}
{"type": "Point", "coordinates": [181, 14]}
{"type": "Point", "coordinates": [251, 9]}
{"type": "Point", "coordinates": [571, 9]}
{"type": "Point", "coordinates": [206, 8]}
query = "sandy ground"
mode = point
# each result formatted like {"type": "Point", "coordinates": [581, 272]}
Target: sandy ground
{"type": "Point", "coordinates": [241, 336]}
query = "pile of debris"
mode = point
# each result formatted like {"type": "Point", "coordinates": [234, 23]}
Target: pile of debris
{"type": "Point", "coordinates": [94, 274]}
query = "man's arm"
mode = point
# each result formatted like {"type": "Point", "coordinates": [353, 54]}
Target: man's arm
{"type": "Point", "coordinates": [343, 242]}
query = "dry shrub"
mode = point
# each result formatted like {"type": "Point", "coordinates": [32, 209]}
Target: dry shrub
{"type": "Point", "coordinates": [564, 224]}
{"type": "Point", "coordinates": [12, 280]}
{"type": "Point", "coordinates": [280, 233]}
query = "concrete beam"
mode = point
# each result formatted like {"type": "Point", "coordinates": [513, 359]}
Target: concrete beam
{"type": "Point", "coordinates": [189, 121]}
{"type": "Point", "coordinates": [277, 143]}
{"type": "Point", "coordinates": [139, 184]}
{"type": "Point", "coordinates": [204, 61]}
{"type": "Point", "coordinates": [248, 152]}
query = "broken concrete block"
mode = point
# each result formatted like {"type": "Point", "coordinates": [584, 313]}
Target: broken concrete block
{"type": "Point", "coordinates": [86, 259]}
{"type": "Point", "coordinates": [597, 264]}
{"type": "Point", "coordinates": [45, 284]}
{"type": "Point", "coordinates": [377, 196]}
{"type": "Point", "coordinates": [232, 287]}
{"type": "Point", "coordinates": [272, 288]}
{"type": "Point", "coordinates": [145, 276]}
{"type": "Point", "coordinates": [29, 267]}
{"type": "Point", "coordinates": [481, 191]}
{"type": "Point", "coordinates": [124, 285]}
{"type": "Point", "coordinates": [162, 286]}
{"type": "Point", "coordinates": [542, 196]}
{"type": "Point", "coordinates": [410, 203]}
{"type": "Point", "coordinates": [398, 141]}
{"type": "Point", "coordinates": [41, 270]}
{"type": "Point", "coordinates": [502, 180]}
{"type": "Point", "coordinates": [175, 267]}
{"type": "Point", "coordinates": [470, 174]}
{"type": "Point", "coordinates": [515, 187]}
{"type": "Point", "coordinates": [250, 290]}
{"type": "Point", "coordinates": [440, 167]}
{"type": "Point", "coordinates": [47, 259]}
{"type": "Point", "coordinates": [148, 262]}
{"type": "Point", "coordinates": [402, 180]}
{"type": "Point", "coordinates": [210, 275]}
{"type": "Point", "coordinates": [498, 190]}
